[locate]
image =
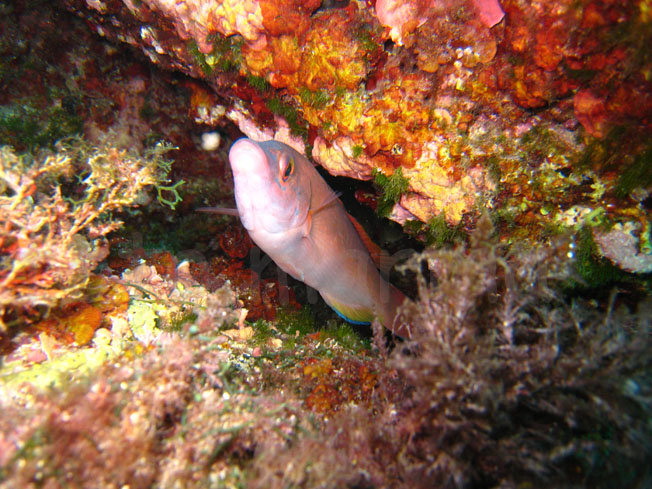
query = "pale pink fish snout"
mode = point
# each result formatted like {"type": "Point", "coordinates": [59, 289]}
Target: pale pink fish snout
{"type": "Point", "coordinates": [247, 158]}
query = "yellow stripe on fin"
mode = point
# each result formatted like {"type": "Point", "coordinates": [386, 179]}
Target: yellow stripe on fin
{"type": "Point", "coordinates": [351, 314]}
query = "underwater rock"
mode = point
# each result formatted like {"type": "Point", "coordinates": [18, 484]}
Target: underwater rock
{"type": "Point", "coordinates": [620, 245]}
{"type": "Point", "coordinates": [515, 96]}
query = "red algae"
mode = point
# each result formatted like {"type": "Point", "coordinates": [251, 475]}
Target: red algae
{"type": "Point", "coordinates": [292, 17]}
{"type": "Point", "coordinates": [164, 263]}
{"type": "Point", "coordinates": [591, 112]}
{"type": "Point", "coordinates": [235, 242]}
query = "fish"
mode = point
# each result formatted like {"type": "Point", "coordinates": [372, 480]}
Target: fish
{"type": "Point", "coordinates": [292, 214]}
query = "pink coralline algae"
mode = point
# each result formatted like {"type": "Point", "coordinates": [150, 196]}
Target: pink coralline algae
{"type": "Point", "coordinates": [404, 17]}
{"type": "Point", "coordinates": [198, 20]}
{"type": "Point", "coordinates": [401, 17]}
{"type": "Point", "coordinates": [489, 11]}
{"type": "Point", "coordinates": [621, 247]}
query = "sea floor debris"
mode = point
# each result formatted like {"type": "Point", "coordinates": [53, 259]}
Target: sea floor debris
{"type": "Point", "coordinates": [505, 381]}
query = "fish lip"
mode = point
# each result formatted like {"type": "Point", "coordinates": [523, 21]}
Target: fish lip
{"type": "Point", "coordinates": [246, 156]}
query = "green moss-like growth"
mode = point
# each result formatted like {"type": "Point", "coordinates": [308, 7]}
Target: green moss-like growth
{"type": "Point", "coordinates": [23, 126]}
{"type": "Point", "coordinates": [199, 57]}
{"type": "Point", "coordinates": [262, 332]}
{"type": "Point", "coordinates": [345, 336]}
{"type": "Point", "coordinates": [259, 83]}
{"type": "Point", "coordinates": [540, 141]}
{"type": "Point", "coordinates": [593, 270]}
{"type": "Point", "coordinates": [436, 232]}
{"type": "Point", "coordinates": [637, 174]}
{"type": "Point", "coordinates": [317, 99]}
{"type": "Point", "coordinates": [357, 151]}
{"type": "Point", "coordinates": [290, 114]}
{"type": "Point", "coordinates": [440, 233]}
{"type": "Point", "coordinates": [492, 164]}
{"type": "Point", "coordinates": [293, 322]}
{"type": "Point", "coordinates": [364, 36]}
{"type": "Point", "coordinates": [392, 187]}
{"type": "Point", "coordinates": [227, 52]}
{"type": "Point", "coordinates": [179, 323]}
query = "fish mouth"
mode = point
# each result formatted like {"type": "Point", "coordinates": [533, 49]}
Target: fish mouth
{"type": "Point", "coordinates": [247, 157]}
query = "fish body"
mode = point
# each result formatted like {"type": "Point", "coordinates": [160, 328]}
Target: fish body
{"type": "Point", "coordinates": [292, 214]}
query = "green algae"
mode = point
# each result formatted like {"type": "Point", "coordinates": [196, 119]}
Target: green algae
{"type": "Point", "coordinates": [540, 141]}
{"type": "Point", "coordinates": [25, 126]}
{"type": "Point", "coordinates": [297, 125]}
{"type": "Point", "coordinates": [638, 174]}
{"type": "Point", "coordinates": [296, 323]}
{"type": "Point", "coordinates": [225, 56]}
{"type": "Point", "coordinates": [344, 335]}
{"type": "Point", "coordinates": [263, 331]}
{"type": "Point", "coordinates": [174, 199]}
{"type": "Point", "coordinates": [439, 233]}
{"type": "Point", "coordinates": [593, 270]}
{"type": "Point", "coordinates": [199, 57]}
{"type": "Point", "coordinates": [364, 36]}
{"type": "Point", "coordinates": [259, 83]}
{"type": "Point", "coordinates": [227, 52]}
{"type": "Point", "coordinates": [317, 99]}
{"type": "Point", "coordinates": [292, 327]}
{"type": "Point", "coordinates": [392, 188]}
{"type": "Point", "coordinates": [357, 151]}
{"type": "Point", "coordinates": [492, 164]}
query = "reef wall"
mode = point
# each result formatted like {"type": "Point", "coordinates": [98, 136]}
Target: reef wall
{"type": "Point", "coordinates": [513, 106]}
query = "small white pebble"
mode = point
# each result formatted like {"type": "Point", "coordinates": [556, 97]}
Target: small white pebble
{"type": "Point", "coordinates": [210, 141]}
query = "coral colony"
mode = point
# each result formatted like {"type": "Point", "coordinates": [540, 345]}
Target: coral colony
{"type": "Point", "coordinates": [496, 156]}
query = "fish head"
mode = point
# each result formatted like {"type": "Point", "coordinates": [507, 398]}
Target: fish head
{"type": "Point", "coordinates": [272, 186]}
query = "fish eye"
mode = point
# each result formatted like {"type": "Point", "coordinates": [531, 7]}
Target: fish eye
{"type": "Point", "coordinates": [288, 169]}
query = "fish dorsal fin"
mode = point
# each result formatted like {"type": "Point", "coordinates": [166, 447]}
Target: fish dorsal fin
{"type": "Point", "coordinates": [373, 248]}
{"type": "Point", "coordinates": [219, 210]}
{"type": "Point", "coordinates": [380, 257]}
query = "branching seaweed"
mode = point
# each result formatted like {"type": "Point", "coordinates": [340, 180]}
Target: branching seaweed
{"type": "Point", "coordinates": [504, 384]}
{"type": "Point", "coordinates": [55, 211]}
{"type": "Point", "coordinates": [517, 379]}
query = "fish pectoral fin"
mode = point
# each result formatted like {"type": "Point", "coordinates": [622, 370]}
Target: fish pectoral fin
{"type": "Point", "coordinates": [332, 197]}
{"type": "Point", "coordinates": [350, 312]}
{"type": "Point", "coordinates": [307, 226]}
{"type": "Point", "coordinates": [219, 210]}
